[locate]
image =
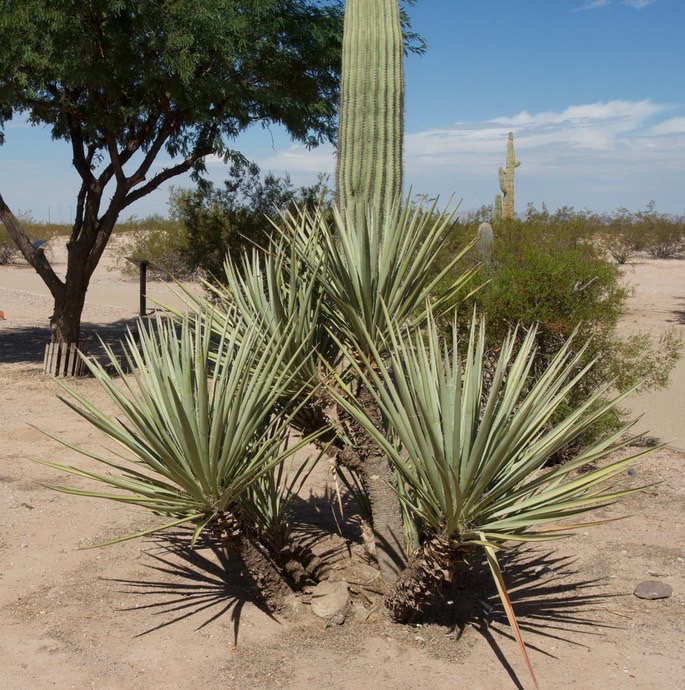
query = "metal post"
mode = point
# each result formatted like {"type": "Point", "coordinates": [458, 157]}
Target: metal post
{"type": "Point", "coordinates": [143, 287]}
{"type": "Point", "coordinates": [142, 266]}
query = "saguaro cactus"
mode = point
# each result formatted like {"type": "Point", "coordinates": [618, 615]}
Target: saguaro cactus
{"type": "Point", "coordinates": [370, 136]}
{"type": "Point", "coordinates": [485, 240]}
{"type": "Point", "coordinates": [506, 179]}
{"type": "Point", "coordinates": [498, 207]}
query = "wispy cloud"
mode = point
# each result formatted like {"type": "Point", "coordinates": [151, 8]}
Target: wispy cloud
{"type": "Point", "coordinates": [638, 4]}
{"type": "Point", "coordinates": [595, 4]}
{"type": "Point", "coordinates": [611, 152]}
{"type": "Point", "coordinates": [592, 5]}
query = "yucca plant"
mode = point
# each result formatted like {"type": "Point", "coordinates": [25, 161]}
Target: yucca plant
{"type": "Point", "coordinates": [472, 459]}
{"type": "Point", "coordinates": [363, 265]}
{"type": "Point", "coordinates": [368, 266]}
{"type": "Point", "coordinates": [199, 428]}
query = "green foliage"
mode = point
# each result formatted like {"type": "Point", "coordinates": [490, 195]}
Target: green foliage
{"type": "Point", "coordinates": [124, 80]}
{"type": "Point", "coordinates": [470, 444]}
{"type": "Point", "coordinates": [125, 66]}
{"type": "Point", "coordinates": [548, 272]}
{"type": "Point", "coordinates": [197, 419]}
{"type": "Point", "coordinates": [8, 250]}
{"type": "Point", "coordinates": [160, 241]}
{"type": "Point", "coordinates": [224, 222]}
{"type": "Point", "coordinates": [368, 266]}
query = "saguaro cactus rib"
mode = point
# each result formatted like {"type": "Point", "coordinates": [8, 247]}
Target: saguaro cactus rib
{"type": "Point", "coordinates": [369, 170]}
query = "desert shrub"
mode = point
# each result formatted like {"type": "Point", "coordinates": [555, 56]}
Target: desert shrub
{"type": "Point", "coordinates": [624, 234]}
{"type": "Point", "coordinates": [221, 222]}
{"type": "Point", "coordinates": [36, 231]}
{"type": "Point", "coordinates": [9, 252]}
{"type": "Point", "coordinates": [548, 273]}
{"type": "Point", "coordinates": [158, 240]}
{"type": "Point", "coordinates": [207, 224]}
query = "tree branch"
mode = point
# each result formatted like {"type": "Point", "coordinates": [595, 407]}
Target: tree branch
{"type": "Point", "coordinates": [35, 257]}
{"type": "Point", "coordinates": [82, 161]}
{"type": "Point", "coordinates": [165, 175]}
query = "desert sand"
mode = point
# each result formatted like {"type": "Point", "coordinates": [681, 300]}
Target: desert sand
{"type": "Point", "coordinates": [153, 614]}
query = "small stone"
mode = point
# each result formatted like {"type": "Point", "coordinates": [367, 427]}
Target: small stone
{"type": "Point", "coordinates": [544, 572]}
{"type": "Point", "coordinates": [632, 471]}
{"type": "Point", "coordinates": [329, 599]}
{"type": "Point", "coordinates": [653, 589]}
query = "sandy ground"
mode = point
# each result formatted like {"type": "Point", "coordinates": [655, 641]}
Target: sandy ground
{"type": "Point", "coordinates": [152, 614]}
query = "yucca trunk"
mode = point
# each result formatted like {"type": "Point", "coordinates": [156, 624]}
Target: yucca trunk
{"type": "Point", "coordinates": [271, 585]}
{"type": "Point", "coordinates": [379, 481]}
{"type": "Point", "coordinates": [430, 566]}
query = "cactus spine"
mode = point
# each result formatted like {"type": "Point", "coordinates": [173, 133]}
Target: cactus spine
{"type": "Point", "coordinates": [370, 134]}
{"type": "Point", "coordinates": [506, 179]}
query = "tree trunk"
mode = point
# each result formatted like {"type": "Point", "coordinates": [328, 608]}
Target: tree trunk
{"type": "Point", "coordinates": [270, 583]}
{"type": "Point", "coordinates": [84, 249]}
{"type": "Point", "coordinates": [65, 322]}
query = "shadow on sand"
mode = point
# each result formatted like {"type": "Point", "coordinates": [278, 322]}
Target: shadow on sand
{"type": "Point", "coordinates": [26, 345]}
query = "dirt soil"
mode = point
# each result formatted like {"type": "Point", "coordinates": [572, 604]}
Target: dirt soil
{"type": "Point", "coordinates": [154, 614]}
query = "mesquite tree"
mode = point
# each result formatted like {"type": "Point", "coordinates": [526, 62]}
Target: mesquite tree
{"type": "Point", "coordinates": [125, 81]}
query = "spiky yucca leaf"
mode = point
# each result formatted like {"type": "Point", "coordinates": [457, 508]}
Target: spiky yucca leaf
{"type": "Point", "coordinates": [366, 267]}
{"type": "Point", "coordinates": [473, 461]}
{"type": "Point", "coordinates": [269, 500]}
{"type": "Point", "coordinates": [277, 294]}
{"type": "Point", "coordinates": [195, 434]}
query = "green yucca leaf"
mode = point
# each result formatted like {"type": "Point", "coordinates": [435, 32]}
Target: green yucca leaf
{"type": "Point", "coordinates": [198, 422]}
{"type": "Point", "coordinates": [280, 296]}
{"type": "Point", "coordinates": [474, 459]}
{"type": "Point", "coordinates": [366, 267]}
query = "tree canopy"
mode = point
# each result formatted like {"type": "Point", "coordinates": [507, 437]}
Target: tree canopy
{"type": "Point", "coordinates": [187, 75]}
{"type": "Point", "coordinates": [125, 80]}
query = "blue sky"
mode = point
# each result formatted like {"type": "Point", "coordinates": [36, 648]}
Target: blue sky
{"type": "Point", "coordinates": [594, 91]}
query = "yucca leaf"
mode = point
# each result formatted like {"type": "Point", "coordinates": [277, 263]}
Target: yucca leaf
{"type": "Point", "coordinates": [506, 602]}
{"type": "Point", "coordinates": [200, 423]}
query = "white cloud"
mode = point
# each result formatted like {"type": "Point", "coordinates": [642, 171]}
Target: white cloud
{"type": "Point", "coordinates": [595, 4]}
{"type": "Point", "coordinates": [638, 4]}
{"type": "Point", "coordinates": [597, 155]}
{"type": "Point", "coordinates": [675, 125]}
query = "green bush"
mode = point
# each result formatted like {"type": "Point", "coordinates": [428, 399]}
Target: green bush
{"type": "Point", "coordinates": [224, 222]}
{"type": "Point", "coordinates": [624, 234]}
{"type": "Point", "coordinates": [160, 241]}
{"type": "Point", "coordinates": [548, 271]}
{"type": "Point", "coordinates": [9, 253]}
{"type": "Point", "coordinates": [207, 224]}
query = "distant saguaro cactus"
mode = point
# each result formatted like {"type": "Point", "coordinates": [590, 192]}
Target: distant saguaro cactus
{"type": "Point", "coordinates": [498, 207]}
{"type": "Point", "coordinates": [506, 179]}
{"type": "Point", "coordinates": [485, 239]}
{"type": "Point", "coordinates": [370, 134]}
